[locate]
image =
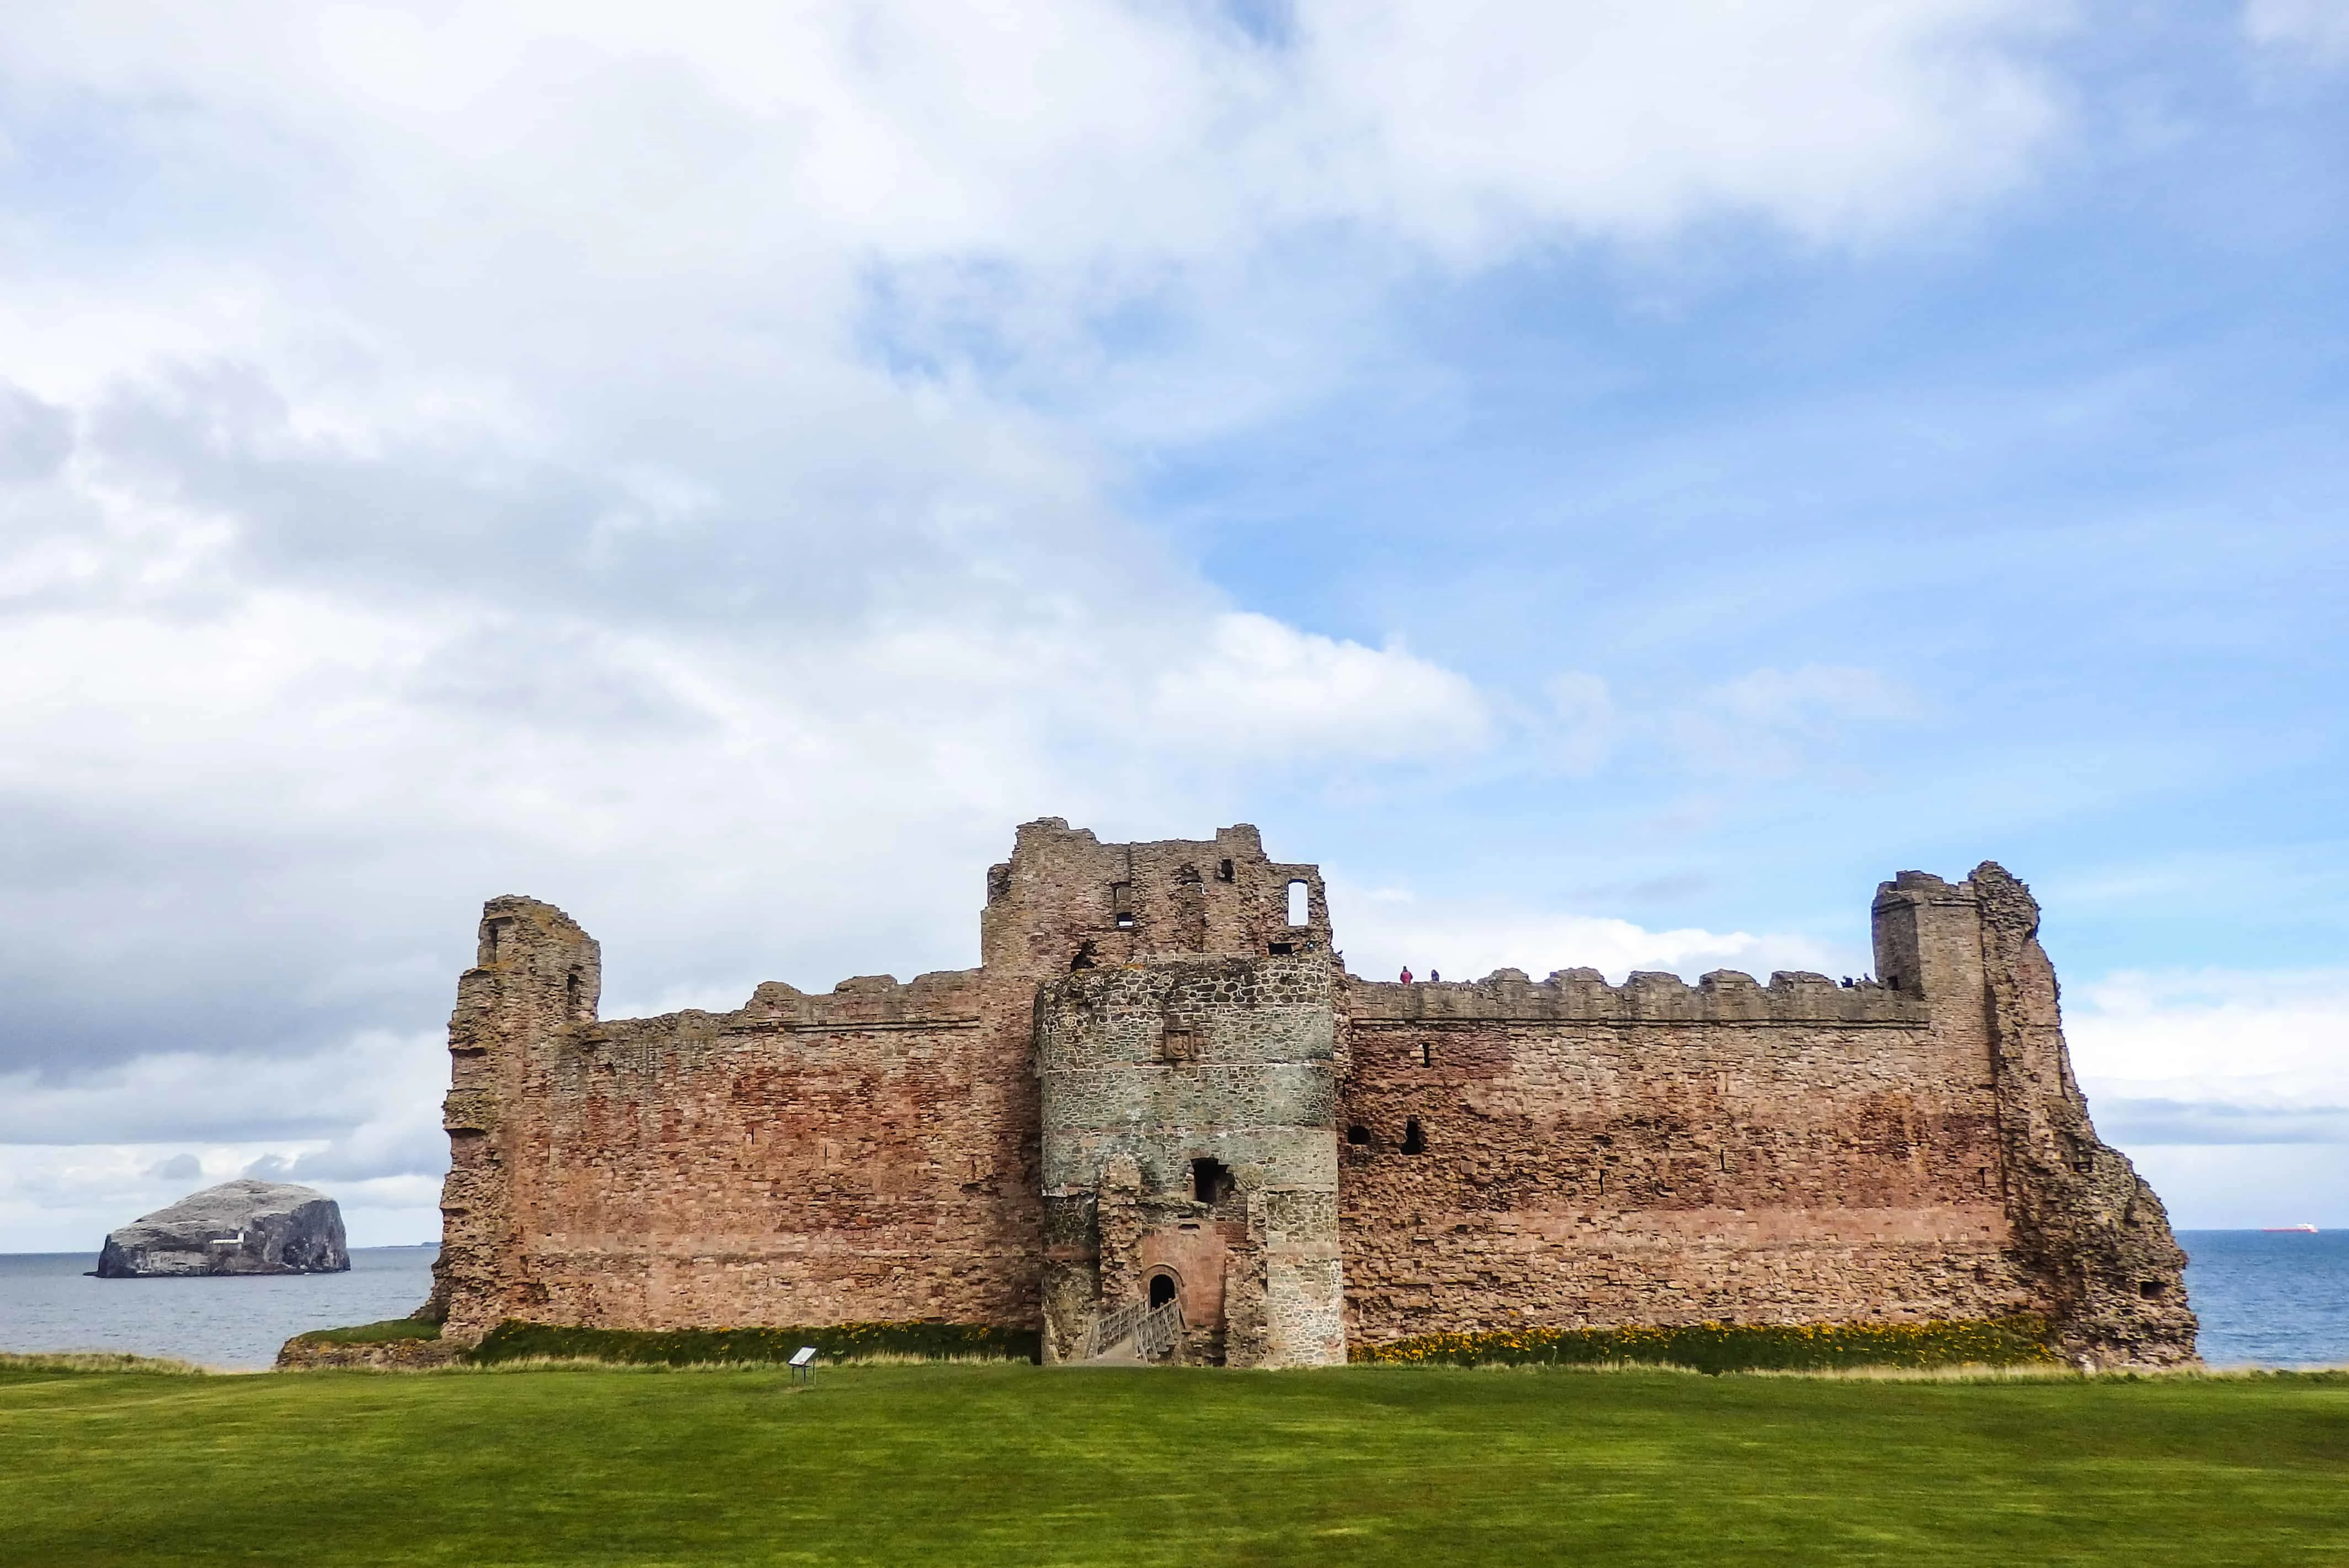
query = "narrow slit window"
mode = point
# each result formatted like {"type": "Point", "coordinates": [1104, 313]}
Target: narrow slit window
{"type": "Point", "coordinates": [1299, 899]}
{"type": "Point", "coordinates": [1426, 1054]}
{"type": "Point", "coordinates": [571, 992]}
{"type": "Point", "coordinates": [1414, 1141]}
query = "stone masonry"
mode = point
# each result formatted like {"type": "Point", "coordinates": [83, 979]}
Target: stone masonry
{"type": "Point", "coordinates": [1161, 1085]}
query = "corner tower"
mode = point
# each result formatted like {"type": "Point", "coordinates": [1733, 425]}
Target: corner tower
{"type": "Point", "coordinates": [2086, 1233]}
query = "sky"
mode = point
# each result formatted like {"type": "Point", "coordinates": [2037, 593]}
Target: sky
{"type": "Point", "coordinates": [1609, 483]}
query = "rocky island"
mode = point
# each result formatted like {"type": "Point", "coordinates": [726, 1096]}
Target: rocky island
{"type": "Point", "coordinates": [241, 1227]}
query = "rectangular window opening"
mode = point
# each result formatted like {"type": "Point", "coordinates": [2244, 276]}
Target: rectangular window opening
{"type": "Point", "coordinates": [1299, 904]}
{"type": "Point", "coordinates": [1210, 1182]}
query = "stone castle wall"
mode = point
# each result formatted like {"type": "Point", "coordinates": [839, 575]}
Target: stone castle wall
{"type": "Point", "coordinates": [1022, 1144]}
{"type": "Point", "coordinates": [858, 1156]}
{"type": "Point", "coordinates": [1569, 1154]}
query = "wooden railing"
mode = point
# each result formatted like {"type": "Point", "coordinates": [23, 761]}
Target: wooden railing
{"type": "Point", "coordinates": [1153, 1329]}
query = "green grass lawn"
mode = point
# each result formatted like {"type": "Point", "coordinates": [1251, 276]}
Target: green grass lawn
{"type": "Point", "coordinates": [1015, 1464]}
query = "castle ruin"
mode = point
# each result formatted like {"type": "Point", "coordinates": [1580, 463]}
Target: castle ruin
{"type": "Point", "coordinates": [1161, 1098]}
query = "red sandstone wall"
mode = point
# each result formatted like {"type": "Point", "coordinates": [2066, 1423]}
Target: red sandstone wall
{"type": "Point", "coordinates": [1660, 1153]}
{"type": "Point", "coordinates": [808, 1160]}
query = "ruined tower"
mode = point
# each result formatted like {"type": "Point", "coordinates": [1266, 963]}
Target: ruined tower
{"type": "Point", "coordinates": [1185, 1034]}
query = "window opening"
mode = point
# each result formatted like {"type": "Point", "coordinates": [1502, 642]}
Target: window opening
{"type": "Point", "coordinates": [1223, 871]}
{"type": "Point", "coordinates": [1359, 1135]}
{"type": "Point", "coordinates": [1209, 1180]}
{"type": "Point", "coordinates": [1121, 903]}
{"type": "Point", "coordinates": [1125, 919]}
{"type": "Point", "coordinates": [1280, 949]}
{"type": "Point", "coordinates": [1426, 1054]}
{"type": "Point", "coordinates": [1299, 899]}
{"type": "Point", "coordinates": [571, 992]}
{"type": "Point", "coordinates": [1162, 1289]}
{"type": "Point", "coordinates": [2150, 1289]}
{"type": "Point", "coordinates": [1414, 1140]}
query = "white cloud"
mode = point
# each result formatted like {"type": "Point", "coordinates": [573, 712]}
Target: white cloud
{"type": "Point", "coordinates": [2243, 1187]}
{"type": "Point", "coordinates": [1768, 722]}
{"type": "Point", "coordinates": [2319, 27]}
{"type": "Point", "coordinates": [1386, 929]}
{"type": "Point", "coordinates": [1260, 687]}
{"type": "Point", "coordinates": [361, 1121]}
{"type": "Point", "coordinates": [1837, 120]}
{"type": "Point", "coordinates": [664, 460]}
{"type": "Point", "coordinates": [1588, 727]}
{"type": "Point", "coordinates": [2229, 1088]}
{"type": "Point", "coordinates": [2215, 1057]}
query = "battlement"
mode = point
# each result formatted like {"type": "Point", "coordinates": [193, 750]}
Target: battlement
{"type": "Point", "coordinates": [1646, 997]}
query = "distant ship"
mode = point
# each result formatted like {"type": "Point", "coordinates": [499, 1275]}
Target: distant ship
{"type": "Point", "coordinates": [2289, 1230]}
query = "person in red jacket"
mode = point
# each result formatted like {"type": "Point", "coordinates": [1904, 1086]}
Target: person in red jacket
{"type": "Point", "coordinates": [1406, 975]}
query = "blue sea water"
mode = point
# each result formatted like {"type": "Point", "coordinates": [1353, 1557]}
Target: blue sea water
{"type": "Point", "coordinates": [2269, 1298]}
{"type": "Point", "coordinates": [2265, 1299]}
{"type": "Point", "coordinates": [48, 1302]}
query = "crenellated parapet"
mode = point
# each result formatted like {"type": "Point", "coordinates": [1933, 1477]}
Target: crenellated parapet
{"type": "Point", "coordinates": [1794, 997]}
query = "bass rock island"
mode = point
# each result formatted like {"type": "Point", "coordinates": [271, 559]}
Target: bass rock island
{"type": "Point", "coordinates": [240, 1227]}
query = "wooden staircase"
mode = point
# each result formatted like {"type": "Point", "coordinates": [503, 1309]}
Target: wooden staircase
{"type": "Point", "coordinates": [1138, 1333]}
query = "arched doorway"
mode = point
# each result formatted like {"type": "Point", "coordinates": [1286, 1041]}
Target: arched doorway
{"type": "Point", "coordinates": [1162, 1289]}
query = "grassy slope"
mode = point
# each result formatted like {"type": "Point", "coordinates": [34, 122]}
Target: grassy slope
{"type": "Point", "coordinates": [1017, 1464]}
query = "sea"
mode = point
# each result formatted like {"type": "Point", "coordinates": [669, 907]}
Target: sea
{"type": "Point", "coordinates": [50, 1300]}
{"type": "Point", "coordinates": [2266, 1299]}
